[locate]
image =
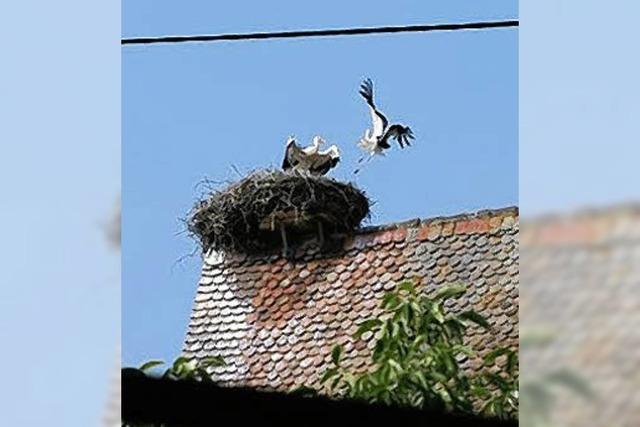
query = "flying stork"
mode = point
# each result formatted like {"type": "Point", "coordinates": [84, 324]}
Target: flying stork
{"type": "Point", "coordinates": [375, 141]}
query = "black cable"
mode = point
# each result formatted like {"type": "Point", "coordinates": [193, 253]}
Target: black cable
{"type": "Point", "coordinates": [320, 33]}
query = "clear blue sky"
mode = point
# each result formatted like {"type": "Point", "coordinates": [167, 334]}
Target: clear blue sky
{"type": "Point", "coordinates": [59, 180]}
{"type": "Point", "coordinates": [192, 111]}
{"type": "Point", "coordinates": [579, 104]}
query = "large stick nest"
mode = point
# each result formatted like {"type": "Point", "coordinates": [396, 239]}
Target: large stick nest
{"type": "Point", "coordinates": [247, 215]}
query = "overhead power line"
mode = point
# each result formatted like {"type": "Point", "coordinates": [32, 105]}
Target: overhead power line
{"type": "Point", "coordinates": [321, 33]}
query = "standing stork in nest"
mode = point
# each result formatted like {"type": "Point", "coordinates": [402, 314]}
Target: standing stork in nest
{"type": "Point", "coordinates": [376, 140]}
{"type": "Point", "coordinates": [310, 159]}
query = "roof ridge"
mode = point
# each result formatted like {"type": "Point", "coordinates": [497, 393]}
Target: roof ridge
{"type": "Point", "coordinates": [417, 222]}
{"type": "Point", "coordinates": [585, 213]}
{"type": "Point", "coordinates": [478, 222]}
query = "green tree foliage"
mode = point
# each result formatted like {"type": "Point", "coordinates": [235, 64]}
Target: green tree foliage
{"type": "Point", "coordinates": [183, 368]}
{"type": "Point", "coordinates": [416, 359]}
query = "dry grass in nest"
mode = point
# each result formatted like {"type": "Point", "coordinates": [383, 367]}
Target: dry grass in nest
{"type": "Point", "coordinates": [246, 216]}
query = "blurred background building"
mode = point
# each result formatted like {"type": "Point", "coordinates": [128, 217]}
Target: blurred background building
{"type": "Point", "coordinates": [580, 276]}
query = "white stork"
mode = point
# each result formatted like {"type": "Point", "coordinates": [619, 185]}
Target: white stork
{"type": "Point", "coordinates": [310, 159]}
{"type": "Point", "coordinates": [295, 157]}
{"type": "Point", "coordinates": [375, 141]}
{"type": "Point", "coordinates": [324, 161]}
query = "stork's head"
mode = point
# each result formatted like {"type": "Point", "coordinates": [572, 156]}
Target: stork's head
{"type": "Point", "coordinates": [334, 152]}
{"type": "Point", "coordinates": [318, 141]}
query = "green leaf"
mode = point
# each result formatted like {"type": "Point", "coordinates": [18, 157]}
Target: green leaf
{"type": "Point", "coordinates": [450, 291]}
{"type": "Point", "coordinates": [438, 377]}
{"type": "Point", "coordinates": [493, 355]}
{"type": "Point", "coordinates": [463, 349]}
{"type": "Point", "coordinates": [407, 286]}
{"type": "Point", "coordinates": [475, 317]}
{"type": "Point", "coordinates": [417, 342]}
{"type": "Point", "coordinates": [150, 365]}
{"type": "Point", "coordinates": [497, 380]}
{"type": "Point", "coordinates": [450, 363]}
{"type": "Point", "coordinates": [395, 365]}
{"type": "Point", "coordinates": [328, 374]}
{"type": "Point", "coordinates": [421, 379]}
{"type": "Point", "coordinates": [436, 312]}
{"type": "Point", "coordinates": [480, 391]}
{"type": "Point", "coordinates": [366, 326]}
{"type": "Point", "coordinates": [384, 374]}
{"type": "Point", "coordinates": [415, 306]}
{"type": "Point", "coordinates": [455, 329]}
{"type": "Point", "coordinates": [390, 301]}
{"type": "Point", "coordinates": [335, 383]}
{"type": "Point", "coordinates": [444, 394]}
{"type": "Point", "coordinates": [406, 313]}
{"type": "Point", "coordinates": [335, 354]}
{"type": "Point", "coordinates": [395, 330]}
{"type": "Point", "coordinates": [179, 363]}
{"type": "Point", "coordinates": [378, 351]}
{"type": "Point", "coordinates": [212, 361]}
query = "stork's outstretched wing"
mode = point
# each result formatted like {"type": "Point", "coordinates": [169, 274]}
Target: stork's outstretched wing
{"type": "Point", "coordinates": [322, 164]}
{"type": "Point", "coordinates": [286, 164]}
{"type": "Point", "coordinates": [292, 155]}
{"type": "Point", "coordinates": [402, 134]}
{"type": "Point", "coordinates": [378, 119]}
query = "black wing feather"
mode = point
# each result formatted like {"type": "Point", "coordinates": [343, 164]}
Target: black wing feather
{"type": "Point", "coordinates": [400, 133]}
{"type": "Point", "coordinates": [286, 163]}
{"type": "Point", "coordinates": [324, 165]}
{"type": "Point", "coordinates": [366, 91]}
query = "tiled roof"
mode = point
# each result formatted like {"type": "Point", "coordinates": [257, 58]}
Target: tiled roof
{"type": "Point", "coordinates": [275, 321]}
{"type": "Point", "coordinates": [581, 283]}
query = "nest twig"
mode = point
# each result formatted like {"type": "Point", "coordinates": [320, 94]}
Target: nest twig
{"type": "Point", "coordinates": [247, 215]}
